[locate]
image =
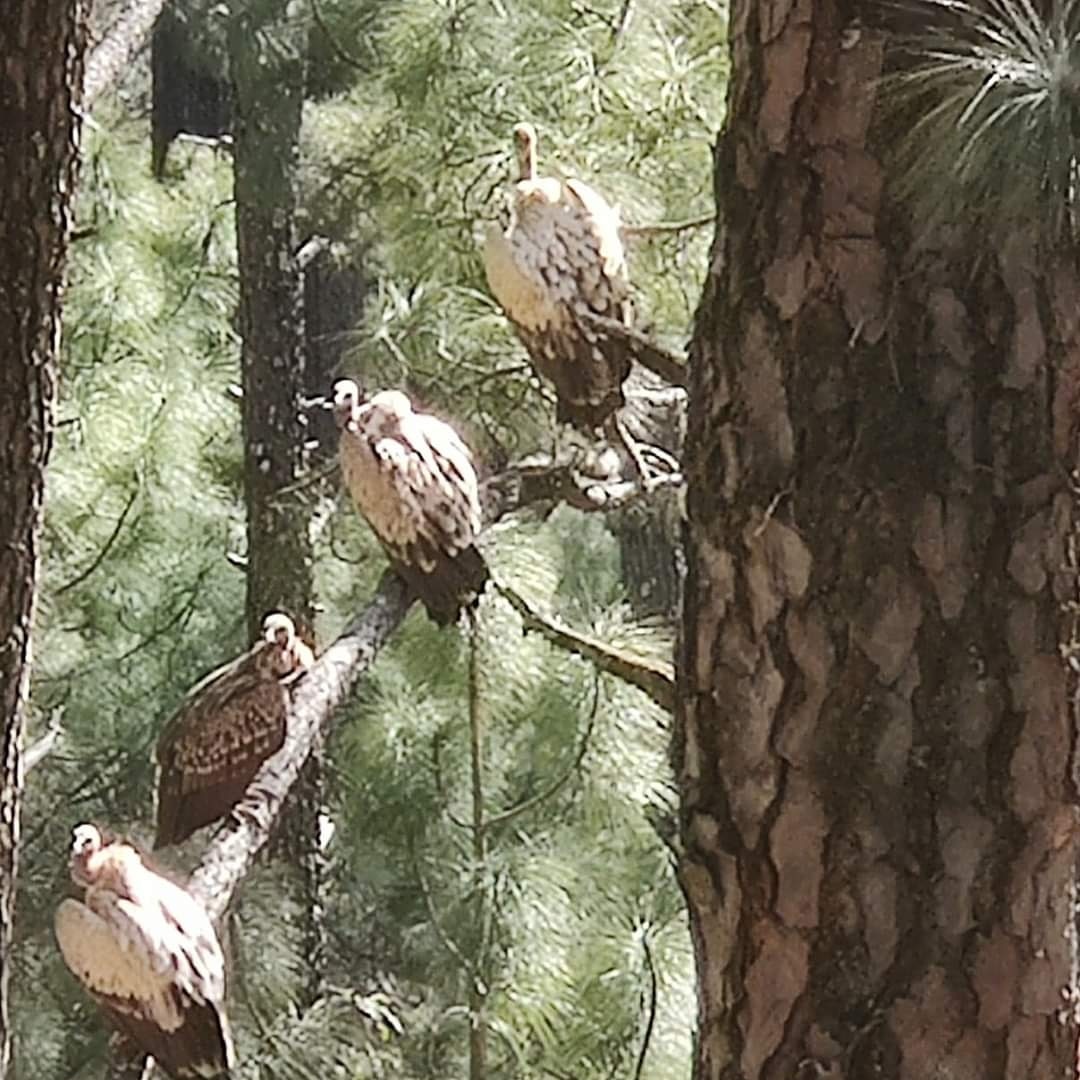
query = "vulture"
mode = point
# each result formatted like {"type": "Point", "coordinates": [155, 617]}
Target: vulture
{"type": "Point", "coordinates": [225, 728]}
{"type": "Point", "coordinates": [411, 477]}
{"type": "Point", "coordinates": [557, 267]}
{"type": "Point", "coordinates": [146, 951]}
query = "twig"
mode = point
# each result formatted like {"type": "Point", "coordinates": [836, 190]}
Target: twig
{"type": "Point", "coordinates": [647, 353]}
{"type": "Point", "coordinates": [47, 743]}
{"type": "Point", "coordinates": [98, 559]}
{"type": "Point", "coordinates": [311, 249]}
{"type": "Point", "coordinates": [651, 676]}
{"type": "Point", "coordinates": [662, 227]}
{"type": "Point", "coordinates": [344, 56]}
{"type": "Point", "coordinates": [513, 811]}
{"type": "Point", "coordinates": [653, 995]}
{"type": "Point", "coordinates": [447, 941]}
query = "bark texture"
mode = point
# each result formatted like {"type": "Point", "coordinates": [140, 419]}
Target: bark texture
{"type": "Point", "coordinates": [41, 69]}
{"type": "Point", "coordinates": [267, 50]}
{"type": "Point", "coordinates": [876, 734]}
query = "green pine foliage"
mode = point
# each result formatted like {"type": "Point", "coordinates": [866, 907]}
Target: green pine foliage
{"type": "Point", "coordinates": [984, 111]}
{"type": "Point", "coordinates": [573, 921]}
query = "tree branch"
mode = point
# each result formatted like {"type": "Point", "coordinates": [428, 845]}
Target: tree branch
{"type": "Point", "coordinates": [47, 743]}
{"type": "Point", "coordinates": [651, 676]}
{"type": "Point", "coordinates": [314, 702]}
{"type": "Point", "coordinates": [110, 58]}
{"type": "Point", "coordinates": [662, 227]}
{"type": "Point", "coordinates": [327, 685]}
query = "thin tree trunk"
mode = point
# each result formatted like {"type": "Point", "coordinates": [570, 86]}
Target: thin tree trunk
{"type": "Point", "coordinates": [268, 46]}
{"type": "Point", "coordinates": [268, 51]}
{"type": "Point", "coordinates": [875, 740]}
{"type": "Point", "coordinates": [42, 45]}
{"type": "Point", "coordinates": [478, 974]}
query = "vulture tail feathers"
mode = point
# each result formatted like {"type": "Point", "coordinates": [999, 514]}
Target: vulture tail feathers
{"type": "Point", "coordinates": [454, 583]}
{"type": "Point", "coordinates": [200, 1049]}
{"type": "Point", "coordinates": [188, 812]}
{"type": "Point", "coordinates": [588, 366]}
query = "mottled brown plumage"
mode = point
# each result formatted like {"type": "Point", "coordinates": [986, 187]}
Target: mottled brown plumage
{"type": "Point", "coordinates": [226, 727]}
{"type": "Point", "coordinates": [147, 952]}
{"type": "Point", "coordinates": [412, 479]}
{"type": "Point", "coordinates": [559, 262]}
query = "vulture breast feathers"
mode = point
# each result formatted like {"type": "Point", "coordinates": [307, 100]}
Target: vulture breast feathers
{"type": "Point", "coordinates": [412, 479]}
{"type": "Point", "coordinates": [558, 264]}
{"type": "Point", "coordinates": [146, 951]}
{"type": "Point", "coordinates": [226, 727]}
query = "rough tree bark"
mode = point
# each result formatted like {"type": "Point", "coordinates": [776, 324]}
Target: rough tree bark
{"type": "Point", "coordinates": [42, 47]}
{"type": "Point", "coordinates": [875, 741]}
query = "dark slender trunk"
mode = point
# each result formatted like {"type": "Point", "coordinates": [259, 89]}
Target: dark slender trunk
{"type": "Point", "coordinates": [875, 739]}
{"type": "Point", "coordinates": [268, 46]}
{"type": "Point", "coordinates": [42, 45]}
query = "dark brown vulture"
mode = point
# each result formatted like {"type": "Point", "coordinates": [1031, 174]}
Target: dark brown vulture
{"type": "Point", "coordinates": [559, 262]}
{"type": "Point", "coordinates": [412, 479]}
{"type": "Point", "coordinates": [147, 952]}
{"type": "Point", "coordinates": [225, 728]}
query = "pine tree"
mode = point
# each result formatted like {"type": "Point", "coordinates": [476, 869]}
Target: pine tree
{"type": "Point", "coordinates": [874, 738]}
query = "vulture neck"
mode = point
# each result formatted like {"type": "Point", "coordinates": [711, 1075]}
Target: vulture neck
{"type": "Point", "coordinates": [527, 162]}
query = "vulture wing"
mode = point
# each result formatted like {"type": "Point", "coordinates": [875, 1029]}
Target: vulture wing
{"type": "Point", "coordinates": [418, 491]}
{"type": "Point", "coordinates": [158, 972]}
{"type": "Point", "coordinates": [213, 746]}
{"type": "Point", "coordinates": [560, 262]}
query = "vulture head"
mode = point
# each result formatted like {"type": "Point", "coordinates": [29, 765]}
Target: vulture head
{"type": "Point", "coordinates": [346, 403]}
{"type": "Point", "coordinates": [525, 151]}
{"type": "Point", "coordinates": [286, 653]}
{"type": "Point", "coordinates": [86, 842]}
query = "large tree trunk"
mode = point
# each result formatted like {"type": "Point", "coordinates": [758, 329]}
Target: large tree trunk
{"type": "Point", "coordinates": [41, 45]}
{"type": "Point", "coordinates": [875, 738]}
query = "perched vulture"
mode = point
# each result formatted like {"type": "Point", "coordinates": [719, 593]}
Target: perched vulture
{"type": "Point", "coordinates": [225, 728]}
{"type": "Point", "coordinates": [559, 265]}
{"type": "Point", "coordinates": [412, 479]}
{"type": "Point", "coordinates": [146, 951]}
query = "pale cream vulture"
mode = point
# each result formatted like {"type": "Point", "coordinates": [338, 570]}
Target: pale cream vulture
{"type": "Point", "coordinates": [558, 263]}
{"type": "Point", "coordinates": [146, 951]}
{"type": "Point", "coordinates": [412, 479]}
{"type": "Point", "coordinates": [225, 728]}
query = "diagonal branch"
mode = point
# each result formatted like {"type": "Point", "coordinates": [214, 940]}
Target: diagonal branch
{"type": "Point", "coordinates": [651, 676]}
{"type": "Point", "coordinates": [314, 702]}
{"type": "Point", "coordinates": [327, 685]}
{"type": "Point", "coordinates": [111, 57]}
{"type": "Point", "coordinates": [37, 751]}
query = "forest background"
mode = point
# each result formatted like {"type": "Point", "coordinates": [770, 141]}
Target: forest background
{"type": "Point", "coordinates": [356, 943]}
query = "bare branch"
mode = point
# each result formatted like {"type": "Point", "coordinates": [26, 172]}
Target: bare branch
{"type": "Point", "coordinates": [44, 746]}
{"type": "Point", "coordinates": [110, 58]}
{"type": "Point", "coordinates": [324, 689]}
{"type": "Point", "coordinates": [651, 676]}
{"type": "Point", "coordinates": [539, 480]}
{"type": "Point", "coordinates": [98, 559]}
{"type": "Point", "coordinates": [662, 227]}
{"type": "Point", "coordinates": [650, 1023]}
{"type": "Point", "coordinates": [314, 702]}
